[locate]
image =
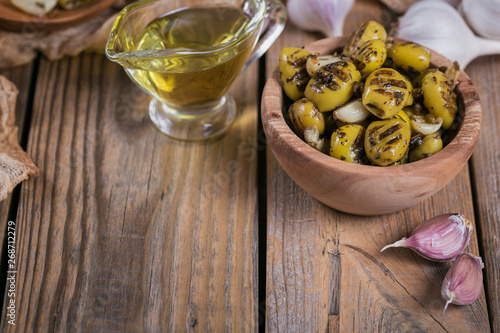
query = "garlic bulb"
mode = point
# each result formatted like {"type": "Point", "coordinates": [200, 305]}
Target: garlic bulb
{"type": "Point", "coordinates": [482, 15]}
{"type": "Point", "coordinates": [440, 238]}
{"type": "Point", "coordinates": [440, 27]}
{"type": "Point", "coordinates": [463, 283]}
{"type": "Point", "coordinates": [326, 16]}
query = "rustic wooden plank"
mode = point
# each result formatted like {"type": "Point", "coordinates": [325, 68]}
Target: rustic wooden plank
{"type": "Point", "coordinates": [486, 165]}
{"type": "Point", "coordinates": [21, 77]}
{"type": "Point", "coordinates": [324, 268]}
{"type": "Point", "coordinates": [126, 229]}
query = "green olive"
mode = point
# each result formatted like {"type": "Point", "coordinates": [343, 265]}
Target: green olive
{"type": "Point", "coordinates": [402, 115]}
{"type": "Point", "coordinates": [417, 81]}
{"type": "Point", "coordinates": [292, 65]}
{"type": "Point", "coordinates": [410, 57]}
{"type": "Point", "coordinates": [411, 100]}
{"type": "Point", "coordinates": [367, 31]}
{"type": "Point", "coordinates": [370, 56]}
{"type": "Point", "coordinates": [439, 97]}
{"type": "Point", "coordinates": [347, 144]}
{"type": "Point", "coordinates": [387, 141]}
{"type": "Point", "coordinates": [333, 85]}
{"type": "Point", "coordinates": [428, 145]}
{"type": "Point", "coordinates": [303, 114]}
{"type": "Point", "coordinates": [386, 93]}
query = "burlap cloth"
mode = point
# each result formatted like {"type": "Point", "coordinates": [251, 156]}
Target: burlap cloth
{"type": "Point", "coordinates": [21, 48]}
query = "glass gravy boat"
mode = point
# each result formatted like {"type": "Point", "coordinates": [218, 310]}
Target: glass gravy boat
{"type": "Point", "coordinates": [187, 53]}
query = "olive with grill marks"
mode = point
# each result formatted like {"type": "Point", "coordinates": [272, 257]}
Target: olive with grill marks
{"type": "Point", "coordinates": [386, 92]}
{"type": "Point", "coordinates": [292, 66]}
{"type": "Point", "coordinates": [333, 85]}
{"type": "Point", "coordinates": [387, 141]}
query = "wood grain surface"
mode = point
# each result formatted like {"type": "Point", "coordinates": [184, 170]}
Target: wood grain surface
{"type": "Point", "coordinates": [325, 271]}
{"type": "Point", "coordinates": [21, 77]}
{"type": "Point", "coordinates": [484, 72]}
{"type": "Point", "coordinates": [126, 229]}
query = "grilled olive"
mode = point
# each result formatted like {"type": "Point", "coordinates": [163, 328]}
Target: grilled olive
{"type": "Point", "coordinates": [347, 144]}
{"type": "Point", "coordinates": [292, 65]}
{"type": "Point", "coordinates": [370, 56]}
{"type": "Point", "coordinates": [410, 92]}
{"type": "Point", "coordinates": [402, 115]}
{"type": "Point", "coordinates": [410, 57]}
{"type": "Point", "coordinates": [427, 146]}
{"type": "Point", "coordinates": [439, 97]}
{"type": "Point", "coordinates": [417, 81]}
{"type": "Point", "coordinates": [386, 92]}
{"type": "Point", "coordinates": [387, 141]}
{"type": "Point", "coordinates": [333, 85]}
{"type": "Point", "coordinates": [367, 31]}
{"type": "Point", "coordinates": [303, 114]}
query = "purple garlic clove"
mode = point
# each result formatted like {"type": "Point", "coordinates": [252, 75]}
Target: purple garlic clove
{"type": "Point", "coordinates": [440, 238]}
{"type": "Point", "coordinates": [463, 282]}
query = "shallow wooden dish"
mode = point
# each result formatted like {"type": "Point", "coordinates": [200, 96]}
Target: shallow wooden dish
{"type": "Point", "coordinates": [15, 20]}
{"type": "Point", "coordinates": [361, 189]}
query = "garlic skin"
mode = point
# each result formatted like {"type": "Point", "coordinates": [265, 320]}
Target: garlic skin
{"type": "Point", "coordinates": [440, 27]}
{"type": "Point", "coordinates": [463, 283]}
{"type": "Point", "coordinates": [440, 238]}
{"type": "Point", "coordinates": [326, 16]}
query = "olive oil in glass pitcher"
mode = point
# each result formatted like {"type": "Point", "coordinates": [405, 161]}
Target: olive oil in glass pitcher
{"type": "Point", "coordinates": [186, 56]}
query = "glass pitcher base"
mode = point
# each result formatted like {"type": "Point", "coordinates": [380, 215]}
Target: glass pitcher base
{"type": "Point", "coordinates": [205, 123]}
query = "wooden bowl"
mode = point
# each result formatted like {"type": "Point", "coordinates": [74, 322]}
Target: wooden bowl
{"type": "Point", "coordinates": [363, 189]}
{"type": "Point", "coordinates": [15, 20]}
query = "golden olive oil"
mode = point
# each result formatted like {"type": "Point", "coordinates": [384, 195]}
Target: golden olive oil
{"type": "Point", "coordinates": [209, 49]}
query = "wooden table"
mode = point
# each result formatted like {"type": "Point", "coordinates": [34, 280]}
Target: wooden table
{"type": "Point", "coordinates": [127, 230]}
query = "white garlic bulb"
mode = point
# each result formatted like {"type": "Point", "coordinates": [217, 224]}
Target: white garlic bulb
{"type": "Point", "coordinates": [326, 16]}
{"type": "Point", "coordinates": [483, 16]}
{"type": "Point", "coordinates": [440, 27]}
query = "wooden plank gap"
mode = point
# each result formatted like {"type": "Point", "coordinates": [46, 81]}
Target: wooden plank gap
{"type": "Point", "coordinates": [261, 202]}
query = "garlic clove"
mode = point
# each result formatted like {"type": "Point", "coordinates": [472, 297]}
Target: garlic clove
{"type": "Point", "coordinates": [440, 238]}
{"type": "Point", "coordinates": [422, 126]}
{"type": "Point", "coordinates": [35, 7]}
{"type": "Point", "coordinates": [352, 112]}
{"type": "Point", "coordinates": [311, 137]}
{"type": "Point", "coordinates": [463, 283]}
{"type": "Point", "coordinates": [326, 16]}
{"type": "Point", "coordinates": [316, 62]}
{"type": "Point", "coordinates": [311, 134]}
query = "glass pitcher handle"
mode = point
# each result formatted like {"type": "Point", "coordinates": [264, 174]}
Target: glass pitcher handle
{"type": "Point", "coordinates": [273, 25]}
